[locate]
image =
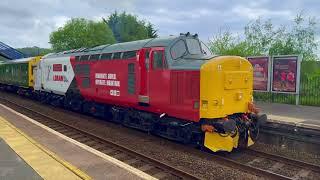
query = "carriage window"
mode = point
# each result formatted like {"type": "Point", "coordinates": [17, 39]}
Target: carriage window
{"type": "Point", "coordinates": [129, 54]}
{"type": "Point", "coordinates": [77, 58]}
{"type": "Point", "coordinates": [106, 56]}
{"type": "Point", "coordinates": [158, 62]}
{"type": "Point", "coordinates": [117, 55]}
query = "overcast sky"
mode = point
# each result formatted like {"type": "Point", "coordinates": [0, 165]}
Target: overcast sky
{"type": "Point", "coordinates": [29, 22]}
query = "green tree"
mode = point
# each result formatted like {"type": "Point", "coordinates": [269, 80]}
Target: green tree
{"type": "Point", "coordinates": [263, 38]}
{"type": "Point", "coordinates": [79, 33]}
{"type": "Point", "coordinates": [225, 43]}
{"type": "Point", "coordinates": [152, 33]}
{"type": "Point", "coordinates": [34, 51]}
{"type": "Point", "coordinates": [127, 27]}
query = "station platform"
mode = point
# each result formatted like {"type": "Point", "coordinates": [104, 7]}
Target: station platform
{"type": "Point", "coordinates": [23, 158]}
{"type": "Point", "coordinates": [295, 115]}
{"type": "Point", "coordinates": [30, 150]}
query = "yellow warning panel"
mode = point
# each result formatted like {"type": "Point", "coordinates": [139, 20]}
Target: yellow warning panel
{"type": "Point", "coordinates": [45, 163]}
{"type": "Point", "coordinates": [225, 86]}
{"type": "Point", "coordinates": [250, 141]}
{"type": "Point", "coordinates": [219, 142]}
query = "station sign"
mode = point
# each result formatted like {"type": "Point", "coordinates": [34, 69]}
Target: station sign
{"type": "Point", "coordinates": [261, 72]}
{"type": "Point", "coordinates": [285, 74]}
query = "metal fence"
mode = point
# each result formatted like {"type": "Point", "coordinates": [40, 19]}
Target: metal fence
{"type": "Point", "coordinates": [309, 93]}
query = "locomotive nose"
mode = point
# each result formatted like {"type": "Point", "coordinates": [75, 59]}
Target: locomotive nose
{"type": "Point", "coordinates": [225, 86]}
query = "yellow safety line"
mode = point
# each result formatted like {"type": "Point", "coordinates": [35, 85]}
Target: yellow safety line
{"type": "Point", "coordinates": [66, 164]}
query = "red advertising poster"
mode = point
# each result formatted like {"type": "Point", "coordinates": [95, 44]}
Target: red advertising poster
{"type": "Point", "coordinates": [284, 74]}
{"type": "Point", "coordinates": [260, 73]}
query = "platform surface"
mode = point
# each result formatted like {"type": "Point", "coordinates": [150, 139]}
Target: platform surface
{"type": "Point", "coordinates": [12, 166]}
{"type": "Point", "coordinates": [304, 116]}
{"type": "Point", "coordinates": [31, 159]}
{"type": "Point", "coordinates": [95, 165]}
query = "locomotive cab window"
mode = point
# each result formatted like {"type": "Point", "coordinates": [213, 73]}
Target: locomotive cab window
{"type": "Point", "coordinates": [158, 60]}
{"type": "Point", "coordinates": [193, 46]}
{"type": "Point", "coordinates": [178, 50]}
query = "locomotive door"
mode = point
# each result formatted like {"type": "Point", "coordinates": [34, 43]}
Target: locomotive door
{"type": "Point", "coordinates": [144, 62]}
{"type": "Point", "coordinates": [157, 77]}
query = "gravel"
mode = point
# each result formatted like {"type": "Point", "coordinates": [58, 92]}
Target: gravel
{"type": "Point", "coordinates": [298, 155]}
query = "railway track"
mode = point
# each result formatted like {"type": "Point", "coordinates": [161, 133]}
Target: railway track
{"type": "Point", "coordinates": [279, 164]}
{"type": "Point", "coordinates": [250, 160]}
{"type": "Point", "coordinates": [271, 165]}
{"type": "Point", "coordinates": [144, 163]}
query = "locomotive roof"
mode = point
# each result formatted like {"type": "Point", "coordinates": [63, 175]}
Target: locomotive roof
{"type": "Point", "coordinates": [118, 47]}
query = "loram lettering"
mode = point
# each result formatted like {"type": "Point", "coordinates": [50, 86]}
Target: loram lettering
{"type": "Point", "coordinates": [58, 78]}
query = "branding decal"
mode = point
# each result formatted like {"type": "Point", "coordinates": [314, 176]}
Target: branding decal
{"type": "Point", "coordinates": [107, 80]}
{"type": "Point", "coordinates": [114, 92]}
{"type": "Point", "coordinates": [57, 67]}
{"type": "Point", "coordinates": [61, 78]}
{"type": "Point", "coordinates": [110, 80]}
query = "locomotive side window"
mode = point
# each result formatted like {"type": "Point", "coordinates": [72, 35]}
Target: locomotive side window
{"type": "Point", "coordinates": [84, 58]}
{"type": "Point", "coordinates": [106, 56]}
{"type": "Point", "coordinates": [65, 68]}
{"type": "Point", "coordinates": [117, 55]}
{"type": "Point", "coordinates": [94, 56]}
{"type": "Point", "coordinates": [129, 54]}
{"type": "Point", "coordinates": [158, 62]}
{"type": "Point", "coordinates": [178, 49]}
{"type": "Point", "coordinates": [147, 59]}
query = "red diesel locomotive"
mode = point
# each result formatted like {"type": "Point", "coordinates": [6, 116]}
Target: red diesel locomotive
{"type": "Point", "coordinates": [172, 87]}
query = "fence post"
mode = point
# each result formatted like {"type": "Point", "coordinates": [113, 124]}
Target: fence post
{"type": "Point", "coordinates": [297, 98]}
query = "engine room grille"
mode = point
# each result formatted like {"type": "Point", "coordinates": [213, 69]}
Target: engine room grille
{"type": "Point", "coordinates": [131, 79]}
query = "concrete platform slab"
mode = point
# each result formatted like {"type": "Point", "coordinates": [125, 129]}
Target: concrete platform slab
{"type": "Point", "coordinates": [301, 116]}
